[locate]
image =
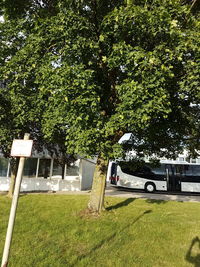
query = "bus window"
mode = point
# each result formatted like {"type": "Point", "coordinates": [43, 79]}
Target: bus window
{"type": "Point", "coordinates": [159, 170]}
{"type": "Point", "coordinates": [113, 174]}
{"type": "Point", "coordinates": [188, 170]}
{"type": "Point", "coordinates": [169, 168]}
{"type": "Point", "coordinates": [141, 171]}
{"type": "Point", "coordinates": [196, 170]}
{"type": "Point", "coordinates": [180, 170]}
{"type": "Point", "coordinates": [113, 169]}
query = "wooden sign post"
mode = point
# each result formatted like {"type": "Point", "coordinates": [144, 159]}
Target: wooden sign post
{"type": "Point", "coordinates": [22, 149]}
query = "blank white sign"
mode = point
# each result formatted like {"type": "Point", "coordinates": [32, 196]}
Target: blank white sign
{"type": "Point", "coordinates": [21, 148]}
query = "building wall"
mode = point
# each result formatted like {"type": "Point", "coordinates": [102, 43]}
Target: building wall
{"type": "Point", "coordinates": [42, 174]}
{"type": "Point", "coordinates": [40, 184]}
{"type": "Point", "coordinates": [4, 183]}
{"type": "Point", "coordinates": [87, 168]}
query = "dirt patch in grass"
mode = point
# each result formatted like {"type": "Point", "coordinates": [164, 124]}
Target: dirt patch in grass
{"type": "Point", "coordinates": [87, 214]}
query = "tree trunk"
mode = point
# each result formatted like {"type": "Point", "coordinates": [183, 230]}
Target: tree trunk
{"type": "Point", "coordinates": [14, 166]}
{"type": "Point", "coordinates": [96, 202]}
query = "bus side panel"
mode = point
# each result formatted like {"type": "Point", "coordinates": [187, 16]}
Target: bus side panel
{"type": "Point", "coordinates": [135, 182]}
{"type": "Point", "coordinates": [190, 187]}
{"type": "Point", "coordinates": [129, 181]}
{"type": "Point", "coordinates": [190, 181]}
{"type": "Point", "coordinates": [160, 185]}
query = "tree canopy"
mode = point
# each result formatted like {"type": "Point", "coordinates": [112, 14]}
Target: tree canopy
{"type": "Point", "coordinates": [21, 107]}
{"type": "Point", "coordinates": [101, 68]}
{"type": "Point", "coordinates": [94, 70]}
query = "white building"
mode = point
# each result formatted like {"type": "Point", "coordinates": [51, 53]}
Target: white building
{"type": "Point", "coordinates": [45, 174]}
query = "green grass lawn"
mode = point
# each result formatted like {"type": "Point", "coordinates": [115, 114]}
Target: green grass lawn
{"type": "Point", "coordinates": [49, 232]}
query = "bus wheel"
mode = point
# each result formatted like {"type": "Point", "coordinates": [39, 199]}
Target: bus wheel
{"type": "Point", "coordinates": [150, 187]}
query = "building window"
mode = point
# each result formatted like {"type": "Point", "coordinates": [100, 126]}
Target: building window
{"type": "Point", "coordinates": [73, 169]}
{"type": "Point", "coordinates": [44, 168]}
{"type": "Point", "coordinates": [57, 169]}
{"type": "Point", "coordinates": [30, 167]}
{"type": "Point", "coordinates": [3, 166]}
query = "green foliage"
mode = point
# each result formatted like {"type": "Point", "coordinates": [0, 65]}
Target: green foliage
{"type": "Point", "coordinates": [89, 71]}
{"type": "Point", "coordinates": [21, 105]}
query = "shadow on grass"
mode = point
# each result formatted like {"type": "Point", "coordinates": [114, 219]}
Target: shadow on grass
{"type": "Point", "coordinates": [121, 204]}
{"type": "Point", "coordinates": [156, 201]}
{"type": "Point", "coordinates": [109, 238]}
{"type": "Point", "coordinates": [23, 195]}
{"type": "Point", "coordinates": [191, 256]}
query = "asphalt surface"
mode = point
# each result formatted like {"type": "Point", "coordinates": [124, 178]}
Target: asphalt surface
{"type": "Point", "coordinates": [128, 193]}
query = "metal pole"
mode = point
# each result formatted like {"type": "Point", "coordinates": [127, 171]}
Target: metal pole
{"type": "Point", "coordinates": [8, 169]}
{"type": "Point", "coordinates": [51, 168]}
{"type": "Point", "coordinates": [37, 169]}
{"type": "Point", "coordinates": [13, 209]}
{"type": "Point", "coordinates": [65, 171]}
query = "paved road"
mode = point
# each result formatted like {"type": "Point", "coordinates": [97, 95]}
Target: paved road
{"type": "Point", "coordinates": [127, 193]}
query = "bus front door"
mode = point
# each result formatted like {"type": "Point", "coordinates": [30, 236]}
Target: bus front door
{"type": "Point", "coordinates": [173, 179]}
{"type": "Point", "coordinates": [179, 174]}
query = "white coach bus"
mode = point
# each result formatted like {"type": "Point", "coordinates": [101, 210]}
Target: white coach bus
{"type": "Point", "coordinates": [168, 176]}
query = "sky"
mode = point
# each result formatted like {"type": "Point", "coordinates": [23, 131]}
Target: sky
{"type": "Point", "coordinates": [1, 19]}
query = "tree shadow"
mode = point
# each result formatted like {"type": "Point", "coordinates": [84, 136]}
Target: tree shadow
{"type": "Point", "coordinates": [23, 194]}
{"type": "Point", "coordinates": [125, 202]}
{"type": "Point", "coordinates": [191, 256]}
{"type": "Point", "coordinates": [109, 238]}
{"type": "Point", "coordinates": [156, 201]}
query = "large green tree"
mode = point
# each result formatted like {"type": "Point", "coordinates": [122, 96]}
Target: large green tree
{"type": "Point", "coordinates": [104, 68]}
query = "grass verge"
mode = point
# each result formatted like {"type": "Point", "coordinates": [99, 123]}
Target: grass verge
{"type": "Point", "coordinates": [50, 232]}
